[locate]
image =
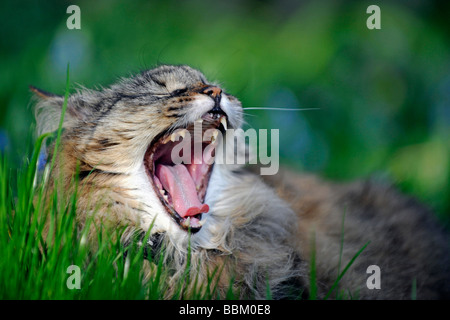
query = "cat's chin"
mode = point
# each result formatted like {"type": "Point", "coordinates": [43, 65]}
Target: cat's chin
{"type": "Point", "coordinates": [180, 179]}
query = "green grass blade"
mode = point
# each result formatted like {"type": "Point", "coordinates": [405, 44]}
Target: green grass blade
{"type": "Point", "coordinates": [61, 121]}
{"type": "Point", "coordinates": [345, 270]}
{"type": "Point", "coordinates": [414, 289]}
{"type": "Point", "coordinates": [341, 250]}
{"type": "Point", "coordinates": [312, 270]}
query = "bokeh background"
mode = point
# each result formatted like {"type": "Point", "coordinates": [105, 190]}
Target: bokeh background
{"type": "Point", "coordinates": [383, 95]}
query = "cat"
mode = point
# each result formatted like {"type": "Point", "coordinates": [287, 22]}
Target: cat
{"type": "Point", "coordinates": [260, 231]}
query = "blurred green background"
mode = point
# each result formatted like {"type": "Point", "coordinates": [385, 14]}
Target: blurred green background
{"type": "Point", "coordinates": [384, 95]}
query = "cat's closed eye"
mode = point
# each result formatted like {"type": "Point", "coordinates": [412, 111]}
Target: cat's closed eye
{"type": "Point", "coordinates": [178, 92]}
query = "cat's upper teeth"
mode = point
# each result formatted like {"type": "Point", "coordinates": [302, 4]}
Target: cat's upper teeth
{"type": "Point", "coordinates": [223, 121]}
{"type": "Point", "coordinates": [182, 132]}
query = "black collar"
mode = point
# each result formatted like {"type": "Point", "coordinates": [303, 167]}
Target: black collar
{"type": "Point", "coordinates": [153, 245]}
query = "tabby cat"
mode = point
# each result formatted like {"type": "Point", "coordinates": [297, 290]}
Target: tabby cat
{"type": "Point", "coordinates": [258, 231]}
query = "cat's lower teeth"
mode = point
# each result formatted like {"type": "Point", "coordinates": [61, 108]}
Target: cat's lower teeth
{"type": "Point", "coordinates": [196, 223]}
{"type": "Point", "coordinates": [186, 223]}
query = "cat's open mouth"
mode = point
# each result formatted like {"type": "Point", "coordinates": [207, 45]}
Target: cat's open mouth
{"type": "Point", "coordinates": [179, 165]}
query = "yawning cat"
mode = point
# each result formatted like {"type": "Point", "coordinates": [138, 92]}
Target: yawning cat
{"type": "Point", "coordinates": [258, 231]}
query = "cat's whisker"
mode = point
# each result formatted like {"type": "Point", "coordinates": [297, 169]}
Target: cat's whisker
{"type": "Point", "coordinates": [245, 114]}
{"type": "Point", "coordinates": [280, 109]}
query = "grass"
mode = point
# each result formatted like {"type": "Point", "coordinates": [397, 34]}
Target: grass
{"type": "Point", "coordinates": [313, 287]}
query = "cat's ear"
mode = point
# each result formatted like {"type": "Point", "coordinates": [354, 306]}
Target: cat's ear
{"type": "Point", "coordinates": [42, 94]}
{"type": "Point", "coordinates": [48, 111]}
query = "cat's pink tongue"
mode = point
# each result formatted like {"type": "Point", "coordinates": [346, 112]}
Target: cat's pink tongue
{"type": "Point", "coordinates": [181, 187]}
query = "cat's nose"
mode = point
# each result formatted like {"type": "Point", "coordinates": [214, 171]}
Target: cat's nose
{"type": "Point", "coordinates": [212, 91]}
{"type": "Point", "coordinates": [216, 94]}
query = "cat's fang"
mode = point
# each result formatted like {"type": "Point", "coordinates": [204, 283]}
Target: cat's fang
{"type": "Point", "coordinates": [186, 223]}
{"type": "Point", "coordinates": [223, 121]}
{"type": "Point", "coordinates": [214, 136]}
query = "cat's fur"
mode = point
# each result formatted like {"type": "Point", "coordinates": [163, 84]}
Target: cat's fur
{"type": "Point", "coordinates": [257, 232]}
